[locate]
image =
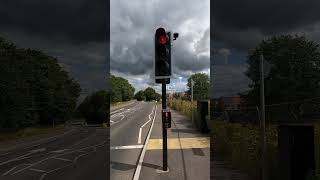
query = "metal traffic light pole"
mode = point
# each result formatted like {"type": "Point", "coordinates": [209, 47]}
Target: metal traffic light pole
{"type": "Point", "coordinates": [162, 75]}
{"type": "Point", "coordinates": [164, 128]}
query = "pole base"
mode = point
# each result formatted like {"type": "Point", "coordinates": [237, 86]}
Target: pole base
{"type": "Point", "coordinates": [160, 170]}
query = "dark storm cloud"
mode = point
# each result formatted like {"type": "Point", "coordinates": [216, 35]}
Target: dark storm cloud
{"type": "Point", "coordinates": [242, 24]}
{"type": "Point", "coordinates": [77, 20]}
{"type": "Point", "coordinates": [133, 25]}
{"type": "Point", "coordinates": [74, 31]}
{"type": "Point", "coordinates": [266, 15]}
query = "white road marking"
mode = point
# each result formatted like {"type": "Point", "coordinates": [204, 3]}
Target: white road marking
{"type": "Point", "coordinates": [23, 156]}
{"type": "Point", "coordinates": [37, 170]}
{"type": "Point", "coordinates": [140, 130]}
{"type": "Point", "coordinates": [38, 150]}
{"type": "Point", "coordinates": [138, 169]}
{"type": "Point", "coordinates": [116, 111]}
{"type": "Point", "coordinates": [59, 151]}
{"type": "Point", "coordinates": [9, 171]}
{"type": "Point", "coordinates": [139, 138]}
{"type": "Point", "coordinates": [39, 162]}
{"type": "Point", "coordinates": [127, 147]}
{"type": "Point", "coordinates": [39, 142]}
{"type": "Point", "coordinates": [62, 159]}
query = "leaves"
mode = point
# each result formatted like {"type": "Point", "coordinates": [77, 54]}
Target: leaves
{"type": "Point", "coordinates": [294, 69]}
{"type": "Point", "coordinates": [33, 88]}
{"type": "Point", "coordinates": [122, 90]}
{"type": "Point", "coordinates": [95, 107]}
{"type": "Point", "coordinates": [201, 86]}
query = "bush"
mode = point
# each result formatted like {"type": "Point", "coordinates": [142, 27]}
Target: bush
{"type": "Point", "coordinates": [95, 108]}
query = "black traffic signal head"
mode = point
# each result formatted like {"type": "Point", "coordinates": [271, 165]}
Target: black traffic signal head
{"type": "Point", "coordinates": [162, 53]}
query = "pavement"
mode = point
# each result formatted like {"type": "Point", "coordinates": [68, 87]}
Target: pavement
{"type": "Point", "coordinates": [188, 151]}
{"type": "Point", "coordinates": [78, 153]}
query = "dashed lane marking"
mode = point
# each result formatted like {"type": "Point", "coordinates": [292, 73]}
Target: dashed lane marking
{"type": "Point", "coordinates": [182, 143]}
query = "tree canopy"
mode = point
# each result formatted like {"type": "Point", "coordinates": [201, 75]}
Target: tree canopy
{"type": "Point", "coordinates": [34, 89]}
{"type": "Point", "coordinates": [151, 94]}
{"type": "Point", "coordinates": [122, 90]}
{"type": "Point", "coordinates": [201, 86]}
{"type": "Point", "coordinates": [293, 64]}
{"type": "Point", "coordinates": [95, 107]}
{"type": "Point", "coordinates": [140, 95]}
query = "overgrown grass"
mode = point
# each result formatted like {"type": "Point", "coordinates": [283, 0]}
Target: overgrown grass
{"type": "Point", "coordinates": [239, 145]}
{"type": "Point", "coordinates": [183, 106]}
{"type": "Point", "coordinates": [28, 132]}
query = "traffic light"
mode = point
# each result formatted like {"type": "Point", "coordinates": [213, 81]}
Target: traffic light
{"type": "Point", "coordinates": [162, 55]}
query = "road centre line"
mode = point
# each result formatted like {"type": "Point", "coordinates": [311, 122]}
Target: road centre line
{"type": "Point", "coordinates": [139, 166]}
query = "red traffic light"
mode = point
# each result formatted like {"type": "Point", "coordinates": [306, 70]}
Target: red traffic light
{"type": "Point", "coordinates": [162, 39]}
{"type": "Point", "coordinates": [161, 36]}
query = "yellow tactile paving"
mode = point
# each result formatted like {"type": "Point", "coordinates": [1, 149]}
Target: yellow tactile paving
{"type": "Point", "coordinates": [182, 143]}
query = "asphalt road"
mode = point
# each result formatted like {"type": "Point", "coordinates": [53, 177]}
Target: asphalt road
{"type": "Point", "coordinates": [129, 128]}
{"type": "Point", "coordinates": [80, 153]}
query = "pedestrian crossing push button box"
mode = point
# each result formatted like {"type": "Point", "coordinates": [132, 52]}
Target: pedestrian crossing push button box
{"type": "Point", "coordinates": [166, 116]}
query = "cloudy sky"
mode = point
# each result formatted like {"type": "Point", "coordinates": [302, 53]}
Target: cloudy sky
{"type": "Point", "coordinates": [74, 31]}
{"type": "Point", "coordinates": [240, 25]}
{"type": "Point", "coordinates": [133, 24]}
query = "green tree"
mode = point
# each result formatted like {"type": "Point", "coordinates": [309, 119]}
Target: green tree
{"type": "Point", "coordinates": [95, 107]}
{"type": "Point", "coordinates": [293, 64]}
{"type": "Point", "coordinates": [201, 86]}
{"type": "Point", "coordinates": [34, 89]}
{"type": "Point", "coordinates": [140, 95]}
{"type": "Point", "coordinates": [122, 90]}
{"type": "Point", "coordinates": [150, 94]}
